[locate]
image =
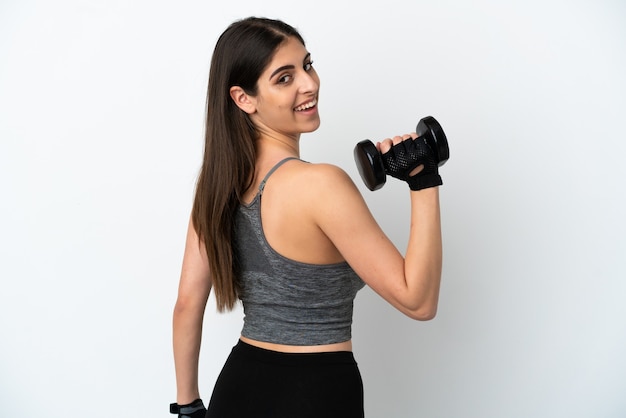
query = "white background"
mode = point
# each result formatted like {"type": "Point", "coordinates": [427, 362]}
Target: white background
{"type": "Point", "coordinates": [101, 120]}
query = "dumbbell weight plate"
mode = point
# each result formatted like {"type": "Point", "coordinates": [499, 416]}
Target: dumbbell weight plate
{"type": "Point", "coordinates": [370, 165]}
{"type": "Point", "coordinates": [436, 139]}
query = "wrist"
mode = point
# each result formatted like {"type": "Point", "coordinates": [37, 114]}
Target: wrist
{"type": "Point", "coordinates": [187, 398]}
{"type": "Point", "coordinates": [424, 181]}
{"type": "Point", "coordinates": [425, 195]}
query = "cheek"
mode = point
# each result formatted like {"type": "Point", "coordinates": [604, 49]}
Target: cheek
{"type": "Point", "coordinates": [316, 78]}
{"type": "Point", "coordinates": [285, 106]}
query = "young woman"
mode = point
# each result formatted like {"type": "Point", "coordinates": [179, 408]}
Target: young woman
{"type": "Point", "coordinates": [294, 241]}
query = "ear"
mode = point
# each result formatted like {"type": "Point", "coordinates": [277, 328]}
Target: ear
{"type": "Point", "coordinates": [244, 101]}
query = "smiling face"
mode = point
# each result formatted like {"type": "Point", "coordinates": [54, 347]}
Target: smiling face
{"type": "Point", "coordinates": [287, 93]}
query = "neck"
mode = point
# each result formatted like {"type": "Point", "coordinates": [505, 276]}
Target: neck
{"type": "Point", "coordinates": [269, 151]}
{"type": "Point", "coordinates": [275, 145]}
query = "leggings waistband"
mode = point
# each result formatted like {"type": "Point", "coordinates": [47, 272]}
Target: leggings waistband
{"type": "Point", "coordinates": [292, 359]}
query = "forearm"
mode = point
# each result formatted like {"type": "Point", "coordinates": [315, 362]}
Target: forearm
{"type": "Point", "coordinates": [423, 259]}
{"type": "Point", "coordinates": [187, 335]}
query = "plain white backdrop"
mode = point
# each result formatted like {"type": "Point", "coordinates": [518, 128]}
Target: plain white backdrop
{"type": "Point", "coordinates": [101, 124]}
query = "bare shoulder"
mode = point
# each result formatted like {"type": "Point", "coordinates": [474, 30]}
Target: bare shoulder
{"type": "Point", "coordinates": [324, 190]}
{"type": "Point", "coordinates": [312, 187]}
{"type": "Point", "coordinates": [326, 178]}
{"type": "Point", "coordinates": [328, 191]}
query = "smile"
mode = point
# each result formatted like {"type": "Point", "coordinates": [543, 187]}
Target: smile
{"type": "Point", "coordinates": [306, 106]}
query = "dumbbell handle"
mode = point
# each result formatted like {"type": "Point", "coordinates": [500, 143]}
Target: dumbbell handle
{"type": "Point", "coordinates": [370, 164]}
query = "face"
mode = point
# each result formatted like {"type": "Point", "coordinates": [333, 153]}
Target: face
{"type": "Point", "coordinates": [286, 102]}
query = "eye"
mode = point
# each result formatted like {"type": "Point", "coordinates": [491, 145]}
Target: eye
{"type": "Point", "coordinates": [308, 66]}
{"type": "Point", "coordinates": [284, 79]}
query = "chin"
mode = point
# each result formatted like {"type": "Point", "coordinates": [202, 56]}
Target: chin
{"type": "Point", "coordinates": [312, 127]}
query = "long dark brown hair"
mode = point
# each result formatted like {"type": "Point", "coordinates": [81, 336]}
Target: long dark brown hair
{"type": "Point", "coordinates": [241, 54]}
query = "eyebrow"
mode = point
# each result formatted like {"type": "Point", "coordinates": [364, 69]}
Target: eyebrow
{"type": "Point", "coordinates": [287, 67]}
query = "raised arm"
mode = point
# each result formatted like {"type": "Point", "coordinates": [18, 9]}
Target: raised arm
{"type": "Point", "coordinates": [411, 282]}
{"type": "Point", "coordinates": [193, 292]}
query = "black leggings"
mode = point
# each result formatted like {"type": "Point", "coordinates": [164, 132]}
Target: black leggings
{"type": "Point", "coordinates": [261, 383]}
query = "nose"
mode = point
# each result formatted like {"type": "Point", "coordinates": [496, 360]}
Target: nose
{"type": "Point", "coordinates": [309, 82]}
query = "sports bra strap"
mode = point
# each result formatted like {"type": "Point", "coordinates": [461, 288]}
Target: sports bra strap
{"type": "Point", "coordinates": [269, 173]}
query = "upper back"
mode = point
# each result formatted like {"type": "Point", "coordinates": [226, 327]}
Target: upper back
{"type": "Point", "coordinates": [282, 295]}
{"type": "Point", "coordinates": [288, 211]}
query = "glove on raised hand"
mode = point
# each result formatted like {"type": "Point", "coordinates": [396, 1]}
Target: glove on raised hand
{"type": "Point", "coordinates": [405, 156]}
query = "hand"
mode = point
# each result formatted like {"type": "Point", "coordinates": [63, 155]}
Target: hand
{"type": "Point", "coordinates": [195, 409]}
{"type": "Point", "coordinates": [411, 159]}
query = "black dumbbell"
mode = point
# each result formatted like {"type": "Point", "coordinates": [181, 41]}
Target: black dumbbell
{"type": "Point", "coordinates": [370, 163]}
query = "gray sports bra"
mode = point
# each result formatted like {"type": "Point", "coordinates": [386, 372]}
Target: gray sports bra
{"type": "Point", "coordinates": [286, 301]}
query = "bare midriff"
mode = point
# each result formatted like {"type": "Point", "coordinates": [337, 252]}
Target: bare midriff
{"type": "Point", "coordinates": [343, 346]}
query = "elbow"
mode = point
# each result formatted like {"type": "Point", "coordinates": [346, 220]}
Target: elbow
{"type": "Point", "coordinates": [181, 310]}
{"type": "Point", "coordinates": [180, 307]}
{"type": "Point", "coordinates": [188, 306]}
{"type": "Point", "coordinates": [187, 317]}
{"type": "Point", "coordinates": [423, 313]}
{"type": "Point", "coordinates": [423, 305]}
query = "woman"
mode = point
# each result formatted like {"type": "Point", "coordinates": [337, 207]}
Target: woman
{"type": "Point", "coordinates": [294, 241]}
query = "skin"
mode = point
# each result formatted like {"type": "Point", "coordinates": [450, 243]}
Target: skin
{"type": "Point", "coordinates": [311, 213]}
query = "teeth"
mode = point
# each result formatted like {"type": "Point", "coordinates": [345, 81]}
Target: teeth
{"type": "Point", "coordinates": [306, 105]}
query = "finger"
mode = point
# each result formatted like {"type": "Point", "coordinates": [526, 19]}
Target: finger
{"type": "Point", "coordinates": [406, 136]}
{"type": "Point", "coordinates": [397, 139]}
{"type": "Point", "coordinates": [384, 145]}
{"type": "Point", "coordinates": [414, 135]}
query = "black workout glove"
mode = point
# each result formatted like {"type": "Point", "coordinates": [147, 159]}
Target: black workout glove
{"type": "Point", "coordinates": [195, 409]}
{"type": "Point", "coordinates": [405, 156]}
